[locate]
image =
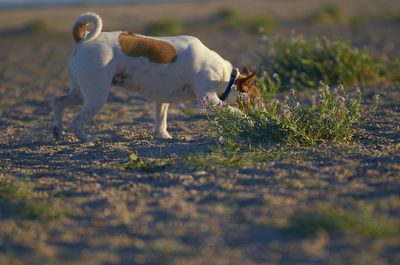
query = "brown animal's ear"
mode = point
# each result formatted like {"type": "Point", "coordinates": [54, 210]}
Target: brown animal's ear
{"type": "Point", "coordinates": [241, 77]}
{"type": "Point", "coordinates": [244, 74]}
{"type": "Point", "coordinates": [245, 71]}
{"type": "Point", "coordinates": [251, 77]}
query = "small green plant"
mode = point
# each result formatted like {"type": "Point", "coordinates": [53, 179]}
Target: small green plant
{"type": "Point", "coordinates": [257, 24]}
{"type": "Point", "coordinates": [231, 154]}
{"type": "Point", "coordinates": [165, 27]}
{"type": "Point", "coordinates": [148, 164]}
{"type": "Point", "coordinates": [38, 25]}
{"type": "Point", "coordinates": [267, 86]}
{"type": "Point", "coordinates": [330, 118]}
{"type": "Point", "coordinates": [330, 14]}
{"type": "Point", "coordinates": [19, 199]}
{"type": "Point", "coordinates": [394, 71]}
{"type": "Point", "coordinates": [390, 16]}
{"type": "Point", "coordinates": [165, 248]}
{"type": "Point", "coordinates": [336, 220]}
{"type": "Point", "coordinates": [190, 112]}
{"type": "Point", "coordinates": [226, 13]}
{"type": "Point", "coordinates": [231, 20]}
{"type": "Point", "coordinates": [302, 62]}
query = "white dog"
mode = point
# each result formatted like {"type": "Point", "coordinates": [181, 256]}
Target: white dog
{"type": "Point", "coordinates": [163, 70]}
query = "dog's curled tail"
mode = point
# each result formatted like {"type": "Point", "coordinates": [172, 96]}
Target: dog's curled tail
{"type": "Point", "coordinates": [79, 31]}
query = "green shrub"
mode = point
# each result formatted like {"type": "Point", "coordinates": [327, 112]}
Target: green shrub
{"type": "Point", "coordinates": [38, 25]}
{"type": "Point", "coordinates": [190, 112]}
{"type": "Point", "coordinates": [334, 220]}
{"type": "Point", "coordinates": [231, 20]}
{"type": "Point", "coordinates": [302, 62]}
{"type": "Point", "coordinates": [257, 23]}
{"type": "Point", "coordinates": [229, 153]}
{"type": "Point", "coordinates": [165, 27]}
{"type": "Point", "coordinates": [330, 14]}
{"type": "Point", "coordinates": [331, 117]}
{"type": "Point", "coordinates": [227, 13]}
{"type": "Point", "coordinates": [267, 86]}
{"type": "Point", "coordinates": [149, 164]}
{"type": "Point", "coordinates": [391, 16]}
{"type": "Point", "coordinates": [394, 71]}
{"type": "Point", "coordinates": [19, 199]}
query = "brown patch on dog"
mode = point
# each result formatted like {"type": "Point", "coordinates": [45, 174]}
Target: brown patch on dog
{"type": "Point", "coordinates": [245, 84]}
{"type": "Point", "coordinates": [156, 51]}
{"type": "Point", "coordinates": [79, 31]}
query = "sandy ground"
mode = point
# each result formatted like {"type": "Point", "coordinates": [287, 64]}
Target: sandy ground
{"type": "Point", "coordinates": [181, 215]}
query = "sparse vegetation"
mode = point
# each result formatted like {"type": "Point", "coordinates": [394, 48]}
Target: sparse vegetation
{"type": "Point", "coordinates": [337, 220]}
{"type": "Point", "coordinates": [18, 199]}
{"type": "Point", "coordinates": [148, 164]}
{"type": "Point", "coordinates": [267, 86]}
{"type": "Point", "coordinates": [330, 14]}
{"type": "Point", "coordinates": [257, 24]}
{"type": "Point", "coordinates": [302, 63]}
{"type": "Point", "coordinates": [331, 117]}
{"type": "Point", "coordinates": [191, 113]}
{"type": "Point", "coordinates": [231, 154]}
{"type": "Point", "coordinates": [390, 16]}
{"type": "Point", "coordinates": [227, 13]}
{"type": "Point", "coordinates": [38, 25]}
{"type": "Point", "coordinates": [231, 20]}
{"type": "Point", "coordinates": [166, 248]}
{"type": "Point", "coordinates": [165, 27]}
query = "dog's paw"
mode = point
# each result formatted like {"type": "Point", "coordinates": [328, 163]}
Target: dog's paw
{"type": "Point", "coordinates": [57, 132]}
{"type": "Point", "coordinates": [82, 137]}
{"type": "Point", "coordinates": [162, 135]}
{"type": "Point", "coordinates": [80, 134]}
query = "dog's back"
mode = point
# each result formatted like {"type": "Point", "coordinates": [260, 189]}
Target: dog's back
{"type": "Point", "coordinates": [161, 69]}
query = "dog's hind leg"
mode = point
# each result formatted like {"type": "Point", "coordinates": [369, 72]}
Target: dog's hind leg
{"type": "Point", "coordinates": [93, 100]}
{"type": "Point", "coordinates": [59, 104]}
{"type": "Point", "coordinates": [160, 120]}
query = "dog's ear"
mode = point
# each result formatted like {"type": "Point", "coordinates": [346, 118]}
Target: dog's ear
{"type": "Point", "coordinates": [245, 71]}
{"type": "Point", "coordinates": [251, 77]}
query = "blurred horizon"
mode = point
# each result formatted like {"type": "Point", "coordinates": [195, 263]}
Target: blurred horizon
{"type": "Point", "coordinates": [38, 3]}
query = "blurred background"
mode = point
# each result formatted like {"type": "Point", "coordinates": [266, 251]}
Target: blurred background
{"type": "Point", "coordinates": [243, 32]}
{"type": "Point", "coordinates": [231, 27]}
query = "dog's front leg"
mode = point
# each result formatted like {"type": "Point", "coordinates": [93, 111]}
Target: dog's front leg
{"type": "Point", "coordinates": [160, 120]}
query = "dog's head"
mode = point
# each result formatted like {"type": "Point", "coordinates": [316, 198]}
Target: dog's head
{"type": "Point", "coordinates": [245, 83]}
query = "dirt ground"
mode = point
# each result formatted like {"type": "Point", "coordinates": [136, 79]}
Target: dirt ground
{"type": "Point", "coordinates": [181, 215]}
